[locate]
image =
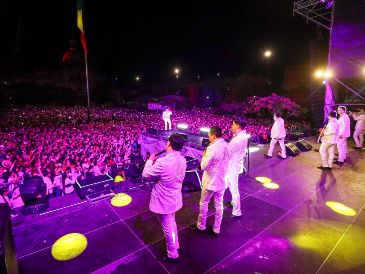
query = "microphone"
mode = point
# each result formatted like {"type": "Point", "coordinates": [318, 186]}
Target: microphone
{"type": "Point", "coordinates": [161, 152]}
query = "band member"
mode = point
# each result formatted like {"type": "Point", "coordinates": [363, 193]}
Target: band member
{"type": "Point", "coordinates": [359, 117]}
{"type": "Point", "coordinates": [277, 135]}
{"type": "Point", "coordinates": [166, 197]}
{"type": "Point", "coordinates": [237, 148]}
{"type": "Point", "coordinates": [214, 163]}
{"type": "Point", "coordinates": [329, 138]}
{"type": "Point", "coordinates": [344, 133]}
{"type": "Point", "coordinates": [166, 118]}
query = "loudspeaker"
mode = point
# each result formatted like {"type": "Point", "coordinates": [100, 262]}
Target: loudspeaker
{"type": "Point", "coordinates": [303, 145]}
{"type": "Point", "coordinates": [205, 142]}
{"type": "Point", "coordinates": [33, 192]}
{"type": "Point", "coordinates": [191, 181]}
{"type": "Point", "coordinates": [291, 150]}
{"type": "Point", "coordinates": [94, 185]}
{"type": "Point", "coordinates": [152, 131]}
{"type": "Point", "coordinates": [8, 260]}
{"type": "Point", "coordinates": [185, 136]}
{"type": "Point", "coordinates": [191, 163]}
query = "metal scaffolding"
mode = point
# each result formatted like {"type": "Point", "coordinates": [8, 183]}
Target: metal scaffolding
{"type": "Point", "coordinates": [317, 11]}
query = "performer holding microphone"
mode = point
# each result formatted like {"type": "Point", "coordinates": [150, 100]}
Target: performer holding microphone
{"type": "Point", "coordinates": [344, 133]}
{"type": "Point", "coordinates": [166, 118]}
{"type": "Point", "coordinates": [166, 197]}
{"type": "Point", "coordinates": [359, 117]}
{"type": "Point", "coordinates": [329, 138]}
{"type": "Point", "coordinates": [277, 135]}
{"type": "Point", "coordinates": [237, 148]}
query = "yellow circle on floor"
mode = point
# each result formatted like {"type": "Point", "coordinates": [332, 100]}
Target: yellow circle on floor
{"type": "Point", "coordinates": [263, 180]}
{"type": "Point", "coordinates": [341, 208]}
{"type": "Point", "coordinates": [69, 246]}
{"type": "Point", "coordinates": [121, 199]}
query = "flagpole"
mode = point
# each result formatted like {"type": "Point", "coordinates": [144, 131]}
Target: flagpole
{"type": "Point", "coordinates": [87, 89]}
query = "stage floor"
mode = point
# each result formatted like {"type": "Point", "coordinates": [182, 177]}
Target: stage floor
{"type": "Point", "coordinates": [285, 230]}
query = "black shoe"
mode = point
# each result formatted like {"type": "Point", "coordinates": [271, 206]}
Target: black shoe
{"type": "Point", "coordinates": [235, 216]}
{"type": "Point", "coordinates": [339, 163]}
{"type": "Point", "coordinates": [267, 156]}
{"type": "Point", "coordinates": [321, 167]}
{"type": "Point", "coordinates": [358, 148]}
{"type": "Point", "coordinates": [196, 229]}
{"type": "Point", "coordinates": [170, 260]}
{"type": "Point", "coordinates": [211, 232]}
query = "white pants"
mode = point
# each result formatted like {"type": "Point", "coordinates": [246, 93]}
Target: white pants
{"type": "Point", "coordinates": [206, 195]}
{"type": "Point", "coordinates": [233, 187]}
{"type": "Point", "coordinates": [169, 228]}
{"type": "Point", "coordinates": [327, 152]}
{"type": "Point", "coordinates": [342, 149]}
{"type": "Point", "coordinates": [272, 146]}
{"type": "Point", "coordinates": [359, 137]}
{"type": "Point", "coordinates": [167, 123]}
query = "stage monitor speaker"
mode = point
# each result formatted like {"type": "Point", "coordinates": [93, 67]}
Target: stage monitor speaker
{"type": "Point", "coordinates": [205, 142]}
{"type": "Point", "coordinates": [94, 185]}
{"type": "Point", "coordinates": [185, 136]}
{"type": "Point", "coordinates": [152, 131]}
{"type": "Point", "coordinates": [33, 192]}
{"type": "Point", "coordinates": [191, 163]}
{"type": "Point", "coordinates": [291, 150]}
{"type": "Point", "coordinates": [8, 259]}
{"type": "Point", "coordinates": [191, 181]}
{"type": "Point", "coordinates": [303, 145]}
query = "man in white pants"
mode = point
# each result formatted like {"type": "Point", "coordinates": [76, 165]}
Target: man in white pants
{"type": "Point", "coordinates": [237, 149]}
{"type": "Point", "coordinates": [329, 140]}
{"type": "Point", "coordinates": [214, 163]}
{"type": "Point", "coordinates": [166, 197]}
{"type": "Point", "coordinates": [359, 117]}
{"type": "Point", "coordinates": [344, 133]}
{"type": "Point", "coordinates": [277, 135]}
{"type": "Point", "coordinates": [166, 118]}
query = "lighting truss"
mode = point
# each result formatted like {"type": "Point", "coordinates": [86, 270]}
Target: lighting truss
{"type": "Point", "coordinates": [317, 11]}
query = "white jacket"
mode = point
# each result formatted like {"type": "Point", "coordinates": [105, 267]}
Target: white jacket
{"type": "Point", "coordinates": [166, 114]}
{"type": "Point", "coordinates": [237, 148]}
{"type": "Point", "coordinates": [215, 165]}
{"type": "Point", "coordinates": [344, 121]}
{"type": "Point", "coordinates": [169, 172]}
{"type": "Point", "coordinates": [331, 132]}
{"type": "Point", "coordinates": [360, 121]}
{"type": "Point", "coordinates": [278, 129]}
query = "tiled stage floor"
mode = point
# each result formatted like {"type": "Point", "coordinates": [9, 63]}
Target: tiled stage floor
{"type": "Point", "coordinates": [284, 230]}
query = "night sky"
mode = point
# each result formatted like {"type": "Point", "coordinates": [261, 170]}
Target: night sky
{"type": "Point", "coordinates": [126, 38]}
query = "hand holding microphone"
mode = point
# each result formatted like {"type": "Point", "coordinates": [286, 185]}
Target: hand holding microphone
{"type": "Point", "coordinates": [153, 156]}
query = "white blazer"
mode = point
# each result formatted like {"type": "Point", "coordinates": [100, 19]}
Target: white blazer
{"type": "Point", "coordinates": [237, 148]}
{"type": "Point", "coordinates": [331, 132]}
{"type": "Point", "coordinates": [278, 129]}
{"type": "Point", "coordinates": [360, 121]}
{"type": "Point", "coordinates": [215, 165]}
{"type": "Point", "coordinates": [344, 121]}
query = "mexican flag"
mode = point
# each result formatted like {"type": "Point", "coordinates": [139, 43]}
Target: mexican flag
{"type": "Point", "coordinates": [80, 23]}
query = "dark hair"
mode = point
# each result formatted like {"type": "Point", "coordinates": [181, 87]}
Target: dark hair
{"type": "Point", "coordinates": [332, 114]}
{"type": "Point", "coordinates": [176, 141]}
{"type": "Point", "coordinates": [239, 122]}
{"type": "Point", "coordinates": [277, 114]}
{"type": "Point", "coordinates": [217, 131]}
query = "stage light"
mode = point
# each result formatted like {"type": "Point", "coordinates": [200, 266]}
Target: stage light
{"type": "Point", "coordinates": [208, 97]}
{"type": "Point", "coordinates": [267, 53]}
{"type": "Point", "coordinates": [177, 71]}
{"type": "Point", "coordinates": [204, 129]}
{"type": "Point", "coordinates": [341, 208]}
{"type": "Point", "coordinates": [137, 78]}
{"type": "Point", "coordinates": [263, 180]}
{"type": "Point", "coordinates": [182, 126]}
{"type": "Point", "coordinates": [363, 71]}
{"type": "Point", "coordinates": [324, 82]}
{"type": "Point", "coordinates": [121, 199]}
{"type": "Point", "coordinates": [69, 246]}
{"type": "Point", "coordinates": [271, 185]}
{"type": "Point", "coordinates": [218, 74]}
{"type": "Point", "coordinates": [327, 74]}
{"type": "Point", "coordinates": [319, 73]}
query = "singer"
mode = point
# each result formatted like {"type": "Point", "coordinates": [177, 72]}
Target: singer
{"type": "Point", "coordinates": [344, 133]}
{"type": "Point", "coordinates": [166, 197]}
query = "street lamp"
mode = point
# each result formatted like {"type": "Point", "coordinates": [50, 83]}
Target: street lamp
{"type": "Point", "coordinates": [267, 53]}
{"type": "Point", "coordinates": [177, 72]}
{"type": "Point", "coordinates": [267, 56]}
{"type": "Point", "coordinates": [137, 78]}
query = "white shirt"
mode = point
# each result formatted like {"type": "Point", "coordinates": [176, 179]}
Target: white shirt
{"type": "Point", "coordinates": [237, 148]}
{"type": "Point", "coordinates": [169, 172]}
{"type": "Point", "coordinates": [215, 165]}
{"type": "Point", "coordinates": [331, 132]}
{"type": "Point", "coordinates": [278, 129]}
{"type": "Point", "coordinates": [166, 114]}
{"type": "Point", "coordinates": [344, 121]}
{"type": "Point", "coordinates": [360, 121]}
{"type": "Point", "coordinates": [49, 184]}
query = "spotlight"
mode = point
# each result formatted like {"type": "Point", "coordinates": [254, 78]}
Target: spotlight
{"type": "Point", "coordinates": [267, 53]}
{"type": "Point", "coordinates": [324, 82]}
{"type": "Point", "coordinates": [182, 126]}
{"type": "Point", "coordinates": [204, 129]}
{"type": "Point", "coordinates": [363, 71]}
{"type": "Point", "coordinates": [327, 74]}
{"type": "Point", "coordinates": [319, 73]}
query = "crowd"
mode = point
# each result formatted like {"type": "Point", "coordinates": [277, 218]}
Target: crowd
{"type": "Point", "coordinates": [58, 145]}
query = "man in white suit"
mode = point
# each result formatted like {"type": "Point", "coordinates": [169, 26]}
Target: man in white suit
{"type": "Point", "coordinates": [237, 149]}
{"type": "Point", "coordinates": [329, 140]}
{"type": "Point", "coordinates": [166, 118]}
{"type": "Point", "coordinates": [344, 133]}
{"type": "Point", "coordinates": [277, 135]}
{"type": "Point", "coordinates": [214, 163]}
{"type": "Point", "coordinates": [359, 117]}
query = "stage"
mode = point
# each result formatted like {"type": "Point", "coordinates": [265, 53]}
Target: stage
{"type": "Point", "coordinates": [286, 226]}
